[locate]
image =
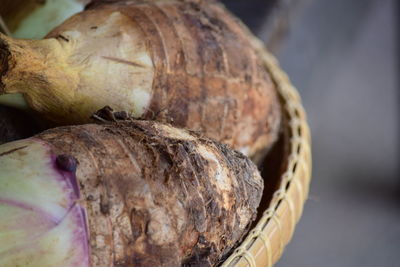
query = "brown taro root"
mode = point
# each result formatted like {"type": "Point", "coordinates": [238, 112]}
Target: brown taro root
{"type": "Point", "coordinates": [131, 193]}
{"type": "Point", "coordinates": [189, 63]}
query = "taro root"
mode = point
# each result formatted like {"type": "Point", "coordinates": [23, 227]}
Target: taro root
{"type": "Point", "coordinates": [189, 63]}
{"type": "Point", "coordinates": [128, 193]}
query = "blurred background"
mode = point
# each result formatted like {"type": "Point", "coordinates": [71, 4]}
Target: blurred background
{"type": "Point", "coordinates": [343, 58]}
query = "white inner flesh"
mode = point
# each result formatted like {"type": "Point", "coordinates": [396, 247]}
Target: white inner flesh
{"type": "Point", "coordinates": [37, 226]}
{"type": "Point", "coordinates": [26, 176]}
{"type": "Point", "coordinates": [115, 67]}
{"type": "Point", "coordinates": [175, 133]}
{"type": "Point", "coordinates": [218, 173]}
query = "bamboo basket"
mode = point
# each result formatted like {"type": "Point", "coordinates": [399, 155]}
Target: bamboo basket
{"type": "Point", "coordinates": [287, 174]}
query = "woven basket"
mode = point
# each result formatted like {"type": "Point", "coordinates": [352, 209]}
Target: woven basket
{"type": "Point", "coordinates": [287, 174]}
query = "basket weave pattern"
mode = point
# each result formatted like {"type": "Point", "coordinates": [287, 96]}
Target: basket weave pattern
{"type": "Point", "coordinates": [265, 243]}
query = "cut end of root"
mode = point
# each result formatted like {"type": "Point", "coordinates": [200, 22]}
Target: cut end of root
{"type": "Point", "coordinates": [42, 222]}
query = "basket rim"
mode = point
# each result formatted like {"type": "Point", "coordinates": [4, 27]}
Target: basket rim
{"type": "Point", "coordinates": [293, 178]}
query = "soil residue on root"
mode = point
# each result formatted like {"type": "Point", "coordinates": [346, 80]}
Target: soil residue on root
{"type": "Point", "coordinates": [4, 57]}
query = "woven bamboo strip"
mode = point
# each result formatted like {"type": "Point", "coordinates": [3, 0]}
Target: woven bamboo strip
{"type": "Point", "coordinates": [265, 243]}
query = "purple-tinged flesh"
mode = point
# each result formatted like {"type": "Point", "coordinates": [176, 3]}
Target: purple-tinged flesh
{"type": "Point", "coordinates": [41, 221]}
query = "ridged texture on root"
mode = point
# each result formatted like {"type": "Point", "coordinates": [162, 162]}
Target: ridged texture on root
{"type": "Point", "coordinates": [159, 196]}
{"type": "Point", "coordinates": [208, 77]}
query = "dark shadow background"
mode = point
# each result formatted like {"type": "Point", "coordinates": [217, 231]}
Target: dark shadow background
{"type": "Point", "coordinates": [343, 58]}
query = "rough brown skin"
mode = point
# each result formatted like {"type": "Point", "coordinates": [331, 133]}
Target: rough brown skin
{"type": "Point", "coordinates": [205, 74]}
{"type": "Point", "coordinates": [152, 195]}
{"type": "Point", "coordinates": [4, 59]}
